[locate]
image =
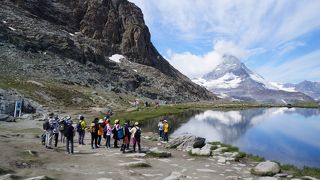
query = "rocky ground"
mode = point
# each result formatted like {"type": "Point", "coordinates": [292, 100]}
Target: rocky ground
{"type": "Point", "coordinates": [23, 156]}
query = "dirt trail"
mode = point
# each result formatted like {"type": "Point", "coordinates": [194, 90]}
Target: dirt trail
{"type": "Point", "coordinates": [21, 136]}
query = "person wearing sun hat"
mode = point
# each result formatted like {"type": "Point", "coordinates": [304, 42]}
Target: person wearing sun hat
{"type": "Point", "coordinates": [136, 136]}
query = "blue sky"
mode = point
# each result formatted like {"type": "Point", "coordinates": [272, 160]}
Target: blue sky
{"type": "Point", "coordinates": [278, 39]}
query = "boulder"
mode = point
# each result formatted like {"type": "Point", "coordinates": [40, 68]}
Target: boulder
{"type": "Point", "coordinates": [184, 141]}
{"type": "Point", "coordinates": [155, 152]}
{"type": "Point", "coordinates": [4, 117]}
{"type": "Point", "coordinates": [195, 151]}
{"type": "Point", "coordinates": [206, 150]}
{"type": "Point", "coordinates": [267, 178]}
{"type": "Point", "coordinates": [199, 142]}
{"type": "Point", "coordinates": [266, 168]}
{"type": "Point", "coordinates": [175, 176]}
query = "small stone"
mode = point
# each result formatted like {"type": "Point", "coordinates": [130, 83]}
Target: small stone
{"type": "Point", "coordinates": [267, 178]}
{"type": "Point", "coordinates": [222, 160]}
{"type": "Point", "coordinates": [135, 164]}
{"type": "Point", "coordinates": [281, 175]}
{"type": "Point", "coordinates": [207, 170]}
{"type": "Point", "coordinates": [175, 176]}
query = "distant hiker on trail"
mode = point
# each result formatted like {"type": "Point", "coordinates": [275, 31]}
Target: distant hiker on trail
{"type": "Point", "coordinates": [55, 130]}
{"type": "Point", "coordinates": [100, 131]}
{"type": "Point", "coordinates": [94, 133]}
{"type": "Point", "coordinates": [127, 135]}
{"type": "Point", "coordinates": [166, 130]}
{"type": "Point", "coordinates": [160, 126]}
{"type": "Point", "coordinates": [136, 136]}
{"type": "Point", "coordinates": [107, 131]}
{"type": "Point", "coordinates": [69, 133]}
{"type": "Point", "coordinates": [47, 126]}
{"type": "Point", "coordinates": [115, 130]}
{"type": "Point", "coordinates": [81, 128]}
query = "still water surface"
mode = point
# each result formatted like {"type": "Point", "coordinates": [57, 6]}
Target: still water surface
{"type": "Point", "coordinates": [289, 136]}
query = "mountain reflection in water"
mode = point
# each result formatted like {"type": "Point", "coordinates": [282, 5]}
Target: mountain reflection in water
{"type": "Point", "coordinates": [285, 135]}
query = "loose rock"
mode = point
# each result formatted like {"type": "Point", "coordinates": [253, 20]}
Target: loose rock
{"type": "Point", "coordinates": [266, 168]}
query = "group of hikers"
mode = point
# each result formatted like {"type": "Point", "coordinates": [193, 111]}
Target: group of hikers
{"type": "Point", "coordinates": [98, 128]}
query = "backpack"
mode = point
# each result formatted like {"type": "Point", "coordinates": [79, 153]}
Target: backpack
{"type": "Point", "coordinates": [61, 127]}
{"type": "Point", "coordinates": [137, 135]}
{"type": "Point", "coordinates": [120, 133]}
{"type": "Point", "coordinates": [78, 127]}
{"type": "Point", "coordinates": [46, 125]}
{"type": "Point", "coordinates": [93, 128]}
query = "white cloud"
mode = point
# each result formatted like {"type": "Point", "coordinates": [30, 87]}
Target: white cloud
{"type": "Point", "coordinates": [290, 46]}
{"type": "Point", "coordinates": [195, 65]}
{"type": "Point", "coordinates": [243, 28]}
{"type": "Point", "coordinates": [301, 68]}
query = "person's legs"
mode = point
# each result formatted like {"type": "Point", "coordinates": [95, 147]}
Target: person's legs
{"type": "Point", "coordinates": [83, 132]}
{"type": "Point", "coordinates": [71, 143]}
{"type": "Point", "coordinates": [67, 145]}
{"type": "Point", "coordinates": [99, 140]}
{"type": "Point", "coordinates": [108, 141]}
{"type": "Point", "coordinates": [56, 137]}
{"type": "Point", "coordinates": [134, 144]}
{"type": "Point", "coordinates": [139, 147]}
{"type": "Point", "coordinates": [79, 136]}
{"type": "Point", "coordinates": [92, 139]}
{"type": "Point", "coordinates": [96, 140]}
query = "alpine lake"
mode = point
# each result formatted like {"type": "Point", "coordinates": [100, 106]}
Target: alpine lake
{"type": "Point", "coordinates": [285, 135]}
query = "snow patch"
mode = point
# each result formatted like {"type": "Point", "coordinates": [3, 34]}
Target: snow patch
{"type": "Point", "coordinates": [135, 70]}
{"type": "Point", "coordinates": [229, 80]}
{"type": "Point", "coordinates": [5, 22]}
{"type": "Point", "coordinates": [281, 87]}
{"type": "Point", "coordinates": [71, 34]}
{"type": "Point", "coordinates": [116, 58]}
{"type": "Point", "coordinates": [12, 29]}
{"type": "Point", "coordinates": [260, 79]}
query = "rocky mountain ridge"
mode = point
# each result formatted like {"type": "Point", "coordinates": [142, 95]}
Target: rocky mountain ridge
{"type": "Point", "coordinates": [310, 88]}
{"type": "Point", "coordinates": [234, 81]}
{"type": "Point", "coordinates": [70, 42]}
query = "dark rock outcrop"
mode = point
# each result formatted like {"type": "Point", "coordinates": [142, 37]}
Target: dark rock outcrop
{"type": "Point", "coordinates": [71, 41]}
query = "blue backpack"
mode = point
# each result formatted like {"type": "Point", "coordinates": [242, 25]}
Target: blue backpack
{"type": "Point", "coordinates": [120, 133]}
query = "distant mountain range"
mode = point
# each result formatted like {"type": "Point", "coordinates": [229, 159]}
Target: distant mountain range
{"type": "Point", "coordinates": [234, 81]}
{"type": "Point", "coordinates": [309, 88]}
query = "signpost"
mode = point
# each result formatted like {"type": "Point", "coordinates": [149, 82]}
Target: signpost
{"type": "Point", "coordinates": [17, 108]}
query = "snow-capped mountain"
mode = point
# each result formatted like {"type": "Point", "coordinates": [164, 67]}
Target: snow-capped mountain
{"type": "Point", "coordinates": [309, 88]}
{"type": "Point", "coordinates": [233, 80]}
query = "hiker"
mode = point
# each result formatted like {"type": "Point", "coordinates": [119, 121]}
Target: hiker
{"type": "Point", "coordinates": [81, 128]}
{"type": "Point", "coordinates": [127, 135]}
{"type": "Point", "coordinates": [47, 127]}
{"type": "Point", "coordinates": [55, 130]}
{"type": "Point", "coordinates": [94, 133]}
{"type": "Point", "coordinates": [165, 130]}
{"type": "Point", "coordinates": [160, 126]}
{"type": "Point", "coordinates": [107, 131]}
{"type": "Point", "coordinates": [136, 136]}
{"type": "Point", "coordinates": [62, 123]}
{"type": "Point", "coordinates": [100, 131]}
{"type": "Point", "coordinates": [115, 129]}
{"type": "Point", "coordinates": [69, 133]}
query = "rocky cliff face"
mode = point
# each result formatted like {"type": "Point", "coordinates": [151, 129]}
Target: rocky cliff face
{"type": "Point", "coordinates": [71, 41]}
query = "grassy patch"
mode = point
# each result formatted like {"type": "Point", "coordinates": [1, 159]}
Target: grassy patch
{"type": "Point", "coordinates": [229, 148]}
{"type": "Point", "coordinates": [239, 156]}
{"type": "Point", "coordinates": [305, 171]}
{"type": "Point", "coordinates": [255, 158]}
